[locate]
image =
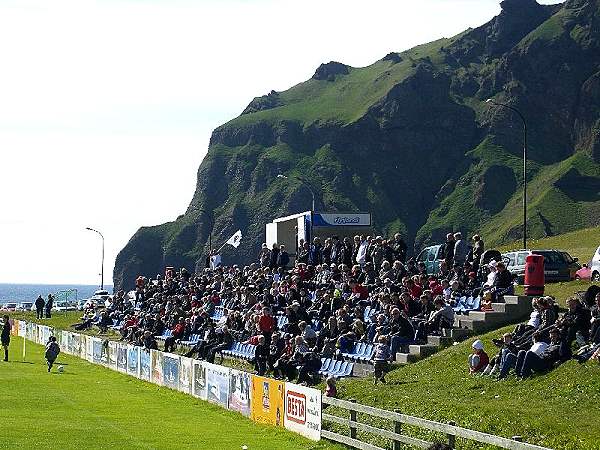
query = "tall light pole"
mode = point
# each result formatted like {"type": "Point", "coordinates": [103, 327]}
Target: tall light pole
{"type": "Point", "coordinates": [512, 108]}
{"type": "Point", "coordinates": [212, 225]}
{"type": "Point", "coordinates": [305, 183]}
{"type": "Point", "coordinates": [102, 269]}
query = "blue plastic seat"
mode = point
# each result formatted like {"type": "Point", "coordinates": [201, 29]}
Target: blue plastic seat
{"type": "Point", "coordinates": [359, 351]}
{"type": "Point", "coordinates": [333, 368]}
{"type": "Point", "coordinates": [341, 369]}
{"type": "Point", "coordinates": [325, 363]}
{"type": "Point", "coordinates": [347, 372]}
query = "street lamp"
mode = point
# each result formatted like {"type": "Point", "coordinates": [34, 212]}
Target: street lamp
{"type": "Point", "coordinates": [211, 224]}
{"type": "Point", "coordinates": [512, 108]}
{"type": "Point", "coordinates": [305, 183]}
{"type": "Point", "coordinates": [102, 270]}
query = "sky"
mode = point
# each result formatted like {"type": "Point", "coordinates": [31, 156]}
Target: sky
{"type": "Point", "coordinates": [106, 107]}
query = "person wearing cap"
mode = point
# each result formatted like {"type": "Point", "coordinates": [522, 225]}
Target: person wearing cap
{"type": "Point", "coordinates": [478, 359]}
{"type": "Point", "coordinates": [557, 352]}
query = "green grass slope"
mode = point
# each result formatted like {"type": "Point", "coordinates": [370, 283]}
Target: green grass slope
{"type": "Point", "coordinates": [556, 410]}
{"type": "Point", "coordinates": [91, 407]}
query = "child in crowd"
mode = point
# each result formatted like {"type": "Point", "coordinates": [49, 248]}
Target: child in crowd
{"type": "Point", "coordinates": [331, 388]}
{"type": "Point", "coordinates": [381, 356]}
{"type": "Point", "coordinates": [478, 360]}
{"type": "Point", "coordinates": [52, 351]}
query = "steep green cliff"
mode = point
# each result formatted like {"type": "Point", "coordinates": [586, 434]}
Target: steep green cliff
{"type": "Point", "coordinates": [411, 139]}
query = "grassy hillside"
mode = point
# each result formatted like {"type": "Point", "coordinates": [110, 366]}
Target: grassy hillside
{"type": "Point", "coordinates": [580, 244]}
{"type": "Point", "coordinates": [553, 410]}
{"type": "Point", "coordinates": [89, 406]}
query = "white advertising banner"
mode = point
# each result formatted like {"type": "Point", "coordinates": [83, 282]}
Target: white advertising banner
{"type": "Point", "coordinates": [199, 380]}
{"type": "Point", "coordinates": [133, 360]}
{"type": "Point", "coordinates": [112, 355]}
{"type": "Point", "coordinates": [303, 410]}
{"type": "Point", "coordinates": [185, 374]}
{"type": "Point", "coordinates": [217, 384]}
{"type": "Point", "coordinates": [145, 364]}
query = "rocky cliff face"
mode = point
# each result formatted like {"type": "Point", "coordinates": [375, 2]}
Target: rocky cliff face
{"type": "Point", "coordinates": [411, 139]}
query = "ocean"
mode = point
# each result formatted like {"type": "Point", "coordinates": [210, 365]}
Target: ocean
{"type": "Point", "coordinates": [29, 292]}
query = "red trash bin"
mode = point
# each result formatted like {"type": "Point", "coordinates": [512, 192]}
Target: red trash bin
{"type": "Point", "coordinates": [534, 275]}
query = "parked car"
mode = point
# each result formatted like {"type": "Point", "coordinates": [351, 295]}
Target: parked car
{"type": "Point", "coordinates": [574, 265]}
{"type": "Point", "coordinates": [431, 257]}
{"type": "Point", "coordinates": [9, 307]}
{"type": "Point", "coordinates": [25, 306]}
{"type": "Point", "coordinates": [556, 265]}
{"type": "Point", "coordinates": [591, 270]}
{"type": "Point", "coordinates": [64, 306]}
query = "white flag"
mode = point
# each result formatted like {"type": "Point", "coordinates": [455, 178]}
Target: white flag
{"type": "Point", "coordinates": [235, 239]}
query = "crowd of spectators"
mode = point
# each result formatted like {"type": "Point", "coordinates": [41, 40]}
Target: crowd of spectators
{"type": "Point", "coordinates": [546, 340]}
{"type": "Point", "coordinates": [337, 293]}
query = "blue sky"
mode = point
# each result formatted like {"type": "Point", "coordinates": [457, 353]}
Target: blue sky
{"type": "Point", "coordinates": [108, 105]}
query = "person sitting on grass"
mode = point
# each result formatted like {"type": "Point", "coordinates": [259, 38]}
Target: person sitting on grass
{"type": "Point", "coordinates": [381, 356]}
{"type": "Point", "coordinates": [506, 359]}
{"type": "Point", "coordinates": [52, 351]}
{"type": "Point", "coordinates": [554, 354]}
{"type": "Point", "coordinates": [478, 360]}
{"type": "Point", "coordinates": [576, 321]}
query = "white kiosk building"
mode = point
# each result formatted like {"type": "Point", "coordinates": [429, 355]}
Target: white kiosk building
{"type": "Point", "coordinates": [308, 225]}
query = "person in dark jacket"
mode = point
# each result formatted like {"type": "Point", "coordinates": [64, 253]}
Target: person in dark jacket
{"type": "Point", "coordinates": [401, 330]}
{"type": "Point", "coordinates": [273, 256]}
{"type": "Point", "coordinates": [556, 353]}
{"type": "Point", "coordinates": [448, 250]}
{"type": "Point", "coordinates": [576, 319]}
{"type": "Point", "coordinates": [5, 337]}
{"type": "Point", "coordinates": [503, 283]}
{"type": "Point", "coordinates": [399, 248]}
{"type": "Point", "coordinates": [39, 307]}
{"type": "Point", "coordinates": [261, 356]}
{"type": "Point", "coordinates": [48, 306]}
{"type": "Point", "coordinates": [52, 351]}
{"type": "Point", "coordinates": [283, 258]}
{"type": "Point", "coordinates": [150, 341]}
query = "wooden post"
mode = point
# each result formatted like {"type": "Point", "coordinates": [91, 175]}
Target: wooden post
{"type": "Point", "coordinates": [397, 429]}
{"type": "Point", "coordinates": [451, 437]}
{"type": "Point", "coordinates": [353, 418]}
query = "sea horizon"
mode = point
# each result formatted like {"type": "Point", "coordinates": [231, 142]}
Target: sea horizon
{"type": "Point", "coordinates": [28, 292]}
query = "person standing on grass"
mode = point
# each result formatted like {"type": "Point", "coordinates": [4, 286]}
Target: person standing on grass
{"type": "Point", "coordinates": [5, 337]}
{"type": "Point", "coordinates": [381, 356]}
{"type": "Point", "coordinates": [39, 307]}
{"type": "Point", "coordinates": [52, 351]}
{"type": "Point", "coordinates": [48, 306]}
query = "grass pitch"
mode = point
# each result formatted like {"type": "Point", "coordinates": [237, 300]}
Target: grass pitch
{"type": "Point", "coordinates": [89, 406]}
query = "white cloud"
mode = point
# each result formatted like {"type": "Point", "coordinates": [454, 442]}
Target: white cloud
{"type": "Point", "coordinates": [107, 107]}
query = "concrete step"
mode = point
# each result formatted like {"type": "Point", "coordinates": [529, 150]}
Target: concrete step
{"type": "Point", "coordinates": [405, 358]}
{"type": "Point", "coordinates": [486, 316]}
{"type": "Point", "coordinates": [440, 341]}
{"type": "Point", "coordinates": [457, 334]}
{"type": "Point", "coordinates": [474, 326]}
{"type": "Point", "coordinates": [422, 351]}
{"type": "Point", "coordinates": [518, 300]}
{"type": "Point", "coordinates": [507, 308]}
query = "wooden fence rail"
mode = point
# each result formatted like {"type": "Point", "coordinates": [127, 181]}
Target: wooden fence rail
{"type": "Point", "coordinates": [450, 430]}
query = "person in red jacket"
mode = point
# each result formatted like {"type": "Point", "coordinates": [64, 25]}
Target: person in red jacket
{"type": "Point", "coordinates": [266, 324]}
{"type": "Point", "coordinates": [478, 360]}
{"type": "Point", "coordinates": [178, 330]}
